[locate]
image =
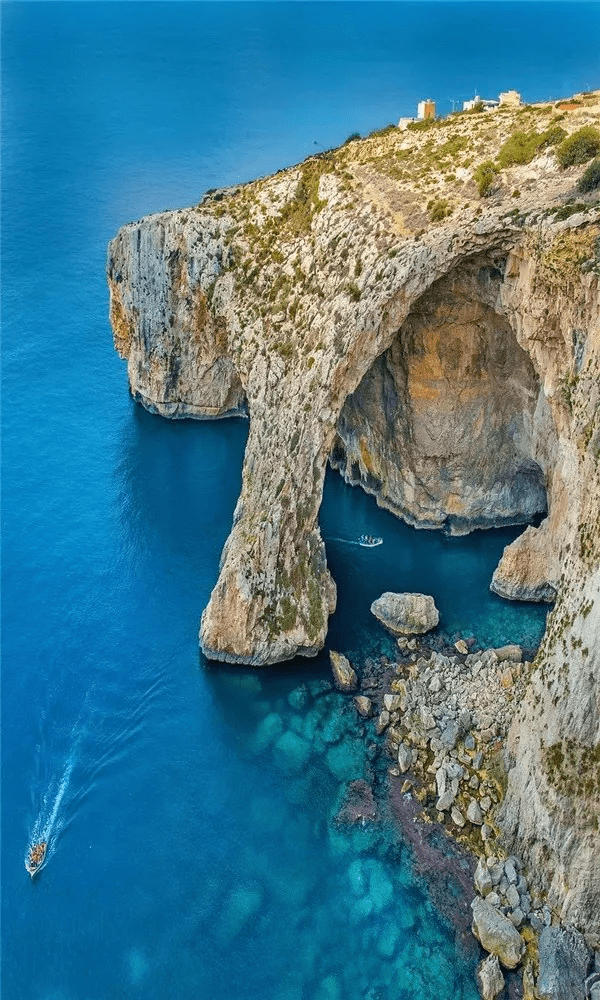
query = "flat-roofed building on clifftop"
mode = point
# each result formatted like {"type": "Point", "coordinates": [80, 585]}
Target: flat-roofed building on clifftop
{"type": "Point", "coordinates": [426, 109]}
{"type": "Point", "coordinates": [510, 99]}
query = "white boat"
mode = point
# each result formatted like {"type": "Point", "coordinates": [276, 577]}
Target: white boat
{"type": "Point", "coordinates": [369, 541]}
{"type": "Point", "coordinates": [36, 857]}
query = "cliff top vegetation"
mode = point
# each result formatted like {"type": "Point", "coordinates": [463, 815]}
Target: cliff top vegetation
{"type": "Point", "coordinates": [342, 214]}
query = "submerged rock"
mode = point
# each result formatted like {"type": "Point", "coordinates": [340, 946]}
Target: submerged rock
{"type": "Point", "coordinates": [328, 989]}
{"type": "Point", "coordinates": [292, 751]}
{"type": "Point", "coordinates": [347, 759]}
{"type": "Point", "coordinates": [241, 907]}
{"type": "Point", "coordinates": [344, 676]}
{"type": "Point", "coordinates": [269, 730]}
{"type": "Point", "coordinates": [406, 614]}
{"type": "Point", "coordinates": [358, 803]}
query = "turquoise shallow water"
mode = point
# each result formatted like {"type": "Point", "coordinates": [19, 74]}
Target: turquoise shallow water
{"type": "Point", "coordinates": [189, 810]}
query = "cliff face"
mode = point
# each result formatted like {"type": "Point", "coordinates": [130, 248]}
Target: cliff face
{"type": "Point", "coordinates": [178, 357]}
{"type": "Point", "coordinates": [450, 367]}
{"type": "Point", "coordinates": [551, 812]}
{"type": "Point", "coordinates": [441, 428]}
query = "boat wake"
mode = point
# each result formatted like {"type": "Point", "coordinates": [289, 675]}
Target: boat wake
{"type": "Point", "coordinates": [71, 759]}
{"type": "Point", "coordinates": [364, 542]}
{"type": "Point", "coordinates": [51, 821]}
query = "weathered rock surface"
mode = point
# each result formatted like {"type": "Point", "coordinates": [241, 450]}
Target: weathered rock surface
{"type": "Point", "coordinates": [489, 978]}
{"type": "Point", "coordinates": [565, 961]}
{"type": "Point", "coordinates": [449, 394]}
{"type": "Point", "coordinates": [406, 614]}
{"type": "Point", "coordinates": [452, 368]}
{"type": "Point", "coordinates": [496, 934]}
{"type": "Point", "coordinates": [344, 675]}
{"type": "Point", "coordinates": [364, 705]}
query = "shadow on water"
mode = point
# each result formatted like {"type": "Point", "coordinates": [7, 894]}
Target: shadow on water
{"type": "Point", "coordinates": [179, 482]}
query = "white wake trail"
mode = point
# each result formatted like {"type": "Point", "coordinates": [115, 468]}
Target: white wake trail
{"type": "Point", "coordinates": [60, 794]}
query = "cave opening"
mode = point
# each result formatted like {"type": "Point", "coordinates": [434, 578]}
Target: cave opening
{"type": "Point", "coordinates": [441, 428]}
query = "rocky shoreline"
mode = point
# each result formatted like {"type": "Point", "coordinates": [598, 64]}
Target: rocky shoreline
{"type": "Point", "coordinates": [441, 712]}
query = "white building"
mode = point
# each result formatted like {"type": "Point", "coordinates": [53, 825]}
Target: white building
{"type": "Point", "coordinates": [487, 105]}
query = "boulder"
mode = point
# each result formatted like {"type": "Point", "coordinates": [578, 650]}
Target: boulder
{"type": "Point", "coordinates": [565, 961]}
{"type": "Point", "coordinates": [406, 614]}
{"type": "Point", "coordinates": [392, 702]}
{"type": "Point", "coordinates": [461, 647]}
{"type": "Point", "coordinates": [512, 897]}
{"type": "Point", "coordinates": [441, 780]}
{"type": "Point", "coordinates": [489, 978]}
{"type": "Point", "coordinates": [364, 705]}
{"type": "Point", "coordinates": [450, 735]}
{"type": "Point", "coordinates": [516, 917]}
{"type": "Point", "coordinates": [511, 652]}
{"type": "Point", "coordinates": [404, 757]}
{"type": "Point", "coordinates": [457, 816]}
{"type": "Point", "coordinates": [496, 934]}
{"type": "Point", "coordinates": [446, 800]}
{"type": "Point", "coordinates": [482, 879]}
{"type": "Point", "coordinates": [344, 677]}
{"type": "Point", "coordinates": [382, 722]}
{"type": "Point", "coordinates": [474, 814]}
{"type": "Point", "coordinates": [592, 986]}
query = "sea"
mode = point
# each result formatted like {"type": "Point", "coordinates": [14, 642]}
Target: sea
{"type": "Point", "coordinates": [191, 809]}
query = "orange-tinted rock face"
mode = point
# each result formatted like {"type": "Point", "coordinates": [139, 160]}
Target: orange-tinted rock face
{"type": "Point", "coordinates": [441, 427]}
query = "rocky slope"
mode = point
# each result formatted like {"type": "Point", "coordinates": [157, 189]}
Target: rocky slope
{"type": "Point", "coordinates": [443, 350]}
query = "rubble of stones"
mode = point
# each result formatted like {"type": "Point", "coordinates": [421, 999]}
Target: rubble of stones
{"type": "Point", "coordinates": [444, 716]}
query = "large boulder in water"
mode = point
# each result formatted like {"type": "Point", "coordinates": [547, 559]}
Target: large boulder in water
{"type": "Point", "coordinates": [496, 934]}
{"type": "Point", "coordinates": [344, 676]}
{"type": "Point", "coordinates": [406, 614]}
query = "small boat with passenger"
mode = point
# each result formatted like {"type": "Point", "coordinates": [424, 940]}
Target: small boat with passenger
{"type": "Point", "coordinates": [35, 857]}
{"type": "Point", "coordinates": [369, 541]}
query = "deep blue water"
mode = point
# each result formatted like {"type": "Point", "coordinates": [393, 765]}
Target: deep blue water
{"type": "Point", "coordinates": [188, 809]}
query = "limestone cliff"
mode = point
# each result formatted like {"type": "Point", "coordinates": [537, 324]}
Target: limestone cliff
{"type": "Point", "coordinates": [442, 350]}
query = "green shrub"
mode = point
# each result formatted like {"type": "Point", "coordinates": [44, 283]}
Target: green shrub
{"type": "Point", "coordinates": [590, 180]}
{"type": "Point", "coordinates": [352, 137]}
{"type": "Point", "coordinates": [571, 208]}
{"type": "Point", "coordinates": [439, 208]}
{"type": "Point", "coordinates": [521, 147]}
{"type": "Point", "coordinates": [485, 176]}
{"type": "Point", "coordinates": [353, 291]}
{"type": "Point", "coordinates": [579, 147]}
{"type": "Point", "coordinates": [423, 125]}
{"type": "Point", "coordinates": [382, 131]}
{"type": "Point", "coordinates": [297, 213]}
{"type": "Point", "coordinates": [552, 137]}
